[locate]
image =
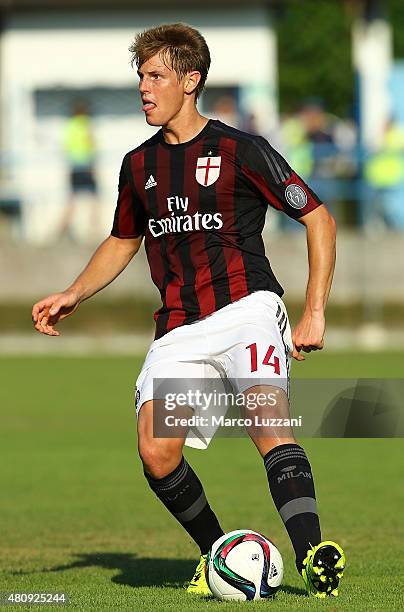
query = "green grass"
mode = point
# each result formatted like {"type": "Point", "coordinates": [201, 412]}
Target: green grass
{"type": "Point", "coordinates": [77, 516]}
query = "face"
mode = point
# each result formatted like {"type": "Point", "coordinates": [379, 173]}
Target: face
{"type": "Point", "coordinates": [163, 96]}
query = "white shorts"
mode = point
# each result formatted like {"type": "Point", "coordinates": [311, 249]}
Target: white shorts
{"type": "Point", "coordinates": [246, 343]}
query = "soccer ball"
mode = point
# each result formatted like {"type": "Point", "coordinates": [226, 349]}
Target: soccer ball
{"type": "Point", "coordinates": [244, 565]}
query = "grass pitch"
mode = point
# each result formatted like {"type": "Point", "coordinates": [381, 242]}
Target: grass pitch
{"type": "Point", "coordinates": [77, 516]}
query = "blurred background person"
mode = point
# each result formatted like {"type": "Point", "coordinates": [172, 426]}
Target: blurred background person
{"type": "Point", "coordinates": [318, 128]}
{"type": "Point", "coordinates": [225, 109]}
{"type": "Point", "coordinates": [384, 172]}
{"type": "Point", "coordinates": [79, 149]}
{"type": "Point", "coordinates": [297, 146]}
{"type": "Point", "coordinates": [323, 147]}
{"type": "Point", "coordinates": [249, 124]}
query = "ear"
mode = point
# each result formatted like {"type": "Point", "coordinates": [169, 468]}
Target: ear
{"type": "Point", "coordinates": [191, 81]}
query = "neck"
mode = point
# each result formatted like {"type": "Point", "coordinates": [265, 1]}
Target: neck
{"type": "Point", "coordinates": [184, 126]}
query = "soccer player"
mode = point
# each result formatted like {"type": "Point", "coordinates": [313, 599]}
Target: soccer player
{"type": "Point", "coordinates": [198, 192]}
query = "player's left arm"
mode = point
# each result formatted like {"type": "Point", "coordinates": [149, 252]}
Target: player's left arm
{"type": "Point", "coordinates": [279, 185]}
{"type": "Point", "coordinates": [308, 335]}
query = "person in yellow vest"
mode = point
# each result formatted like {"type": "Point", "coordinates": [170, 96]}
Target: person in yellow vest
{"type": "Point", "coordinates": [297, 146]}
{"type": "Point", "coordinates": [384, 173]}
{"type": "Point", "coordinates": [79, 150]}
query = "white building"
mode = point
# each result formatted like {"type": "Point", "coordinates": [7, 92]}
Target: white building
{"type": "Point", "coordinates": [48, 58]}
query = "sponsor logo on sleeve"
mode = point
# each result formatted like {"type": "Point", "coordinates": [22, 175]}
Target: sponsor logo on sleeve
{"type": "Point", "coordinates": [295, 196]}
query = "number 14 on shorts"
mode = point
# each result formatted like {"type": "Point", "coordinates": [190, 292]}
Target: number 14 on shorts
{"type": "Point", "coordinates": [266, 360]}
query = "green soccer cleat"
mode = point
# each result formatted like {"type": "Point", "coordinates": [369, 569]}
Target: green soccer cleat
{"type": "Point", "coordinates": [198, 584]}
{"type": "Point", "coordinates": [323, 568]}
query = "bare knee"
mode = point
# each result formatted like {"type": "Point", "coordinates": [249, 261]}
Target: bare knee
{"type": "Point", "coordinates": [271, 419]}
{"type": "Point", "coordinates": [160, 456]}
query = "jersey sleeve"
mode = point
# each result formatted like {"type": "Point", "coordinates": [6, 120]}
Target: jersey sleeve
{"type": "Point", "coordinates": [130, 217]}
{"type": "Point", "coordinates": [270, 175]}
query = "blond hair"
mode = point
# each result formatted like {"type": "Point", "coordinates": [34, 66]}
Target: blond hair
{"type": "Point", "coordinates": [181, 47]}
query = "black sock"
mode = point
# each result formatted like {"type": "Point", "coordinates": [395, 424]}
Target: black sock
{"type": "Point", "coordinates": [292, 488]}
{"type": "Point", "coordinates": [182, 494]}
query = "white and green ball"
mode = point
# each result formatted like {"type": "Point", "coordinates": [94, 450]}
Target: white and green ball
{"type": "Point", "coordinates": [244, 565]}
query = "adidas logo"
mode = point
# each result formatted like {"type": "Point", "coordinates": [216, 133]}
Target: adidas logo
{"type": "Point", "coordinates": [273, 572]}
{"type": "Point", "coordinates": [150, 182]}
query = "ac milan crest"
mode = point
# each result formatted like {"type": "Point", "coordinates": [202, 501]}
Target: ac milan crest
{"type": "Point", "coordinates": [207, 170]}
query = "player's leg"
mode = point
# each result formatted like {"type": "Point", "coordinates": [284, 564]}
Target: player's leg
{"type": "Point", "coordinates": [178, 487]}
{"type": "Point", "coordinates": [171, 366]}
{"type": "Point", "coordinates": [175, 483]}
{"type": "Point", "coordinates": [262, 355]}
{"type": "Point", "coordinates": [291, 483]}
{"type": "Point", "coordinates": [288, 469]}
{"type": "Point", "coordinates": [259, 368]}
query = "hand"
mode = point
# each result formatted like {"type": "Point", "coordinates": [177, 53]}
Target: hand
{"type": "Point", "coordinates": [308, 334]}
{"type": "Point", "coordinates": [51, 310]}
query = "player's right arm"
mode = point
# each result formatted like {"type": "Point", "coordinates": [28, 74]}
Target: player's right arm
{"type": "Point", "coordinates": [108, 261]}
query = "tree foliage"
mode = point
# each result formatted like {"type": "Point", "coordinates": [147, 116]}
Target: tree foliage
{"type": "Point", "coordinates": [396, 17]}
{"type": "Point", "coordinates": [315, 49]}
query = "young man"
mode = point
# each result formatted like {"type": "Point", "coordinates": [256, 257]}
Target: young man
{"type": "Point", "coordinates": [198, 191]}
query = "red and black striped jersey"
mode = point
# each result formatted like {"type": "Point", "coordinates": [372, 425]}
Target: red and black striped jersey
{"type": "Point", "coordinates": [201, 206]}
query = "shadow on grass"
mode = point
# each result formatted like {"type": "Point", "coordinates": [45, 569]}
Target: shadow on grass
{"type": "Point", "coordinates": [133, 571]}
{"type": "Point", "coordinates": [141, 571]}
